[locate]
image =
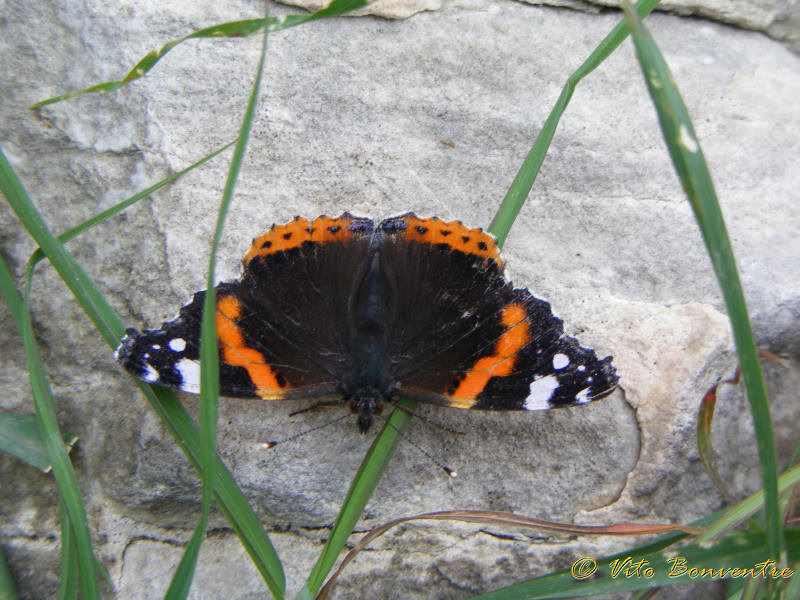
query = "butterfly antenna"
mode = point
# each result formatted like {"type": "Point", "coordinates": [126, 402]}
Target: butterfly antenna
{"type": "Point", "coordinates": [450, 472]}
{"type": "Point", "coordinates": [430, 421]}
{"type": "Point", "coordinates": [274, 443]}
{"type": "Point", "coordinates": [315, 406]}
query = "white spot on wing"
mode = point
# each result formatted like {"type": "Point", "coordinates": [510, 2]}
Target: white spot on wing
{"type": "Point", "coordinates": [560, 361]}
{"type": "Point", "coordinates": [150, 375]}
{"type": "Point", "coordinates": [583, 396]}
{"type": "Point", "coordinates": [190, 375]}
{"type": "Point", "coordinates": [177, 344]}
{"type": "Point", "coordinates": [541, 391]}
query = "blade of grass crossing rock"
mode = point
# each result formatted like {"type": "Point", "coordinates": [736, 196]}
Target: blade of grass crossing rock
{"type": "Point", "coordinates": [234, 29]}
{"type": "Point", "coordinates": [690, 165]}
{"type": "Point", "coordinates": [229, 497]}
{"type": "Point", "coordinates": [68, 586]}
{"type": "Point", "coordinates": [376, 460]}
{"type": "Point", "coordinates": [549, 584]}
{"type": "Point", "coordinates": [521, 186]}
{"type": "Point", "coordinates": [561, 584]}
{"type": "Point", "coordinates": [67, 482]}
{"type": "Point", "coordinates": [69, 491]}
{"type": "Point", "coordinates": [163, 401]}
{"type": "Point", "coordinates": [739, 550]}
{"type": "Point", "coordinates": [7, 589]}
{"type": "Point", "coordinates": [209, 352]}
{"type": "Point", "coordinates": [367, 477]}
{"type": "Point", "coordinates": [86, 225]}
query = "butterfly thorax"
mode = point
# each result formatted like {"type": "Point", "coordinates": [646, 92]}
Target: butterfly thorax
{"type": "Point", "coordinates": [367, 386]}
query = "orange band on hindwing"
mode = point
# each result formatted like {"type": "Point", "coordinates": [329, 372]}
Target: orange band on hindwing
{"type": "Point", "coordinates": [236, 353]}
{"type": "Point", "coordinates": [499, 364]}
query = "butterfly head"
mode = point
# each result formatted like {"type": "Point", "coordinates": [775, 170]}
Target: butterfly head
{"type": "Point", "coordinates": [366, 402]}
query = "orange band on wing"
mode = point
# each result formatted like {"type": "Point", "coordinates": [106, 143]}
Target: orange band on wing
{"type": "Point", "coordinates": [499, 364]}
{"type": "Point", "coordinates": [236, 353]}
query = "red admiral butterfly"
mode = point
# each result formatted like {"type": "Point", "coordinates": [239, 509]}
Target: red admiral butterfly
{"type": "Point", "coordinates": [344, 308]}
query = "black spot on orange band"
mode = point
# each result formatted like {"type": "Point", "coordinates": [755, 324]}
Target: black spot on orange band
{"type": "Point", "coordinates": [435, 231]}
{"type": "Point", "coordinates": [293, 235]}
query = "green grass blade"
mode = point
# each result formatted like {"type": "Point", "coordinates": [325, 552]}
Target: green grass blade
{"type": "Point", "coordinates": [8, 590]}
{"type": "Point", "coordinates": [738, 550]}
{"type": "Point", "coordinates": [748, 507]}
{"type": "Point", "coordinates": [521, 186]}
{"type": "Point", "coordinates": [106, 321]}
{"type": "Point", "coordinates": [164, 402]}
{"type": "Point", "coordinates": [230, 499]}
{"type": "Point", "coordinates": [68, 586]}
{"type": "Point", "coordinates": [373, 465]}
{"type": "Point", "coordinates": [549, 583]}
{"type": "Point", "coordinates": [20, 437]}
{"type": "Point", "coordinates": [119, 207]}
{"type": "Point", "coordinates": [209, 355]}
{"type": "Point", "coordinates": [46, 416]}
{"type": "Point", "coordinates": [367, 477]}
{"type": "Point", "coordinates": [182, 578]}
{"type": "Point", "coordinates": [705, 419]}
{"type": "Point", "coordinates": [224, 30]}
{"type": "Point", "coordinates": [687, 156]}
{"type": "Point", "coordinates": [62, 468]}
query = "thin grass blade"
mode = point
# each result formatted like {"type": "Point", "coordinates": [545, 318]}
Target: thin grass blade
{"type": "Point", "coordinates": [230, 499]}
{"type": "Point", "coordinates": [523, 182]}
{"type": "Point", "coordinates": [8, 590]}
{"type": "Point", "coordinates": [497, 519]}
{"type": "Point", "coordinates": [164, 402]}
{"type": "Point", "coordinates": [610, 575]}
{"type": "Point", "coordinates": [209, 355]}
{"type": "Point", "coordinates": [46, 418]}
{"type": "Point", "coordinates": [38, 255]}
{"type": "Point", "coordinates": [62, 468]}
{"type": "Point", "coordinates": [367, 477]}
{"type": "Point", "coordinates": [705, 418]}
{"type": "Point", "coordinates": [690, 165]}
{"type": "Point", "coordinates": [68, 586]}
{"type": "Point", "coordinates": [234, 29]}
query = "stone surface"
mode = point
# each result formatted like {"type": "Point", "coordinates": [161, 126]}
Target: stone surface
{"type": "Point", "coordinates": [780, 19]}
{"type": "Point", "coordinates": [434, 114]}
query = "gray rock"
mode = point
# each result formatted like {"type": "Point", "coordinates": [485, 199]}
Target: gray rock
{"type": "Point", "coordinates": [780, 19]}
{"type": "Point", "coordinates": [435, 114]}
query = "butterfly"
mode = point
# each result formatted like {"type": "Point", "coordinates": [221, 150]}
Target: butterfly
{"type": "Point", "coordinates": [368, 312]}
